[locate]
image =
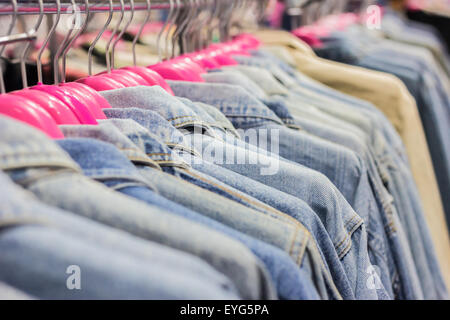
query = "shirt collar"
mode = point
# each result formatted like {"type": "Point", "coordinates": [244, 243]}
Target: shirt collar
{"type": "Point", "coordinates": [155, 124]}
{"type": "Point", "coordinates": [154, 98]}
{"type": "Point", "coordinates": [108, 132]}
{"type": "Point", "coordinates": [149, 143]}
{"type": "Point", "coordinates": [231, 100]}
{"type": "Point", "coordinates": [100, 160]}
{"type": "Point", "coordinates": [22, 146]}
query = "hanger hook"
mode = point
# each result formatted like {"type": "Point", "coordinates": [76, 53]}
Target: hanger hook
{"type": "Point", "coordinates": [94, 43]}
{"type": "Point", "coordinates": [173, 21]}
{"type": "Point", "coordinates": [163, 28]}
{"type": "Point", "coordinates": [224, 22]}
{"type": "Point", "coordinates": [212, 22]}
{"type": "Point", "coordinates": [195, 25]}
{"type": "Point", "coordinates": [179, 21]}
{"type": "Point", "coordinates": [47, 39]}
{"type": "Point", "coordinates": [23, 70]}
{"type": "Point", "coordinates": [138, 34]}
{"type": "Point", "coordinates": [116, 28]}
{"type": "Point", "coordinates": [181, 29]}
{"type": "Point", "coordinates": [56, 67]}
{"type": "Point", "coordinates": [200, 41]}
{"type": "Point", "coordinates": [122, 32]}
{"type": "Point", "coordinates": [10, 29]}
{"type": "Point", "coordinates": [75, 37]}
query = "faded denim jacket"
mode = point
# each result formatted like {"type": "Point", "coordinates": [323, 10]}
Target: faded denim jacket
{"type": "Point", "coordinates": [39, 165]}
{"type": "Point", "coordinates": [248, 113]}
{"type": "Point", "coordinates": [291, 282]}
{"type": "Point", "coordinates": [251, 219]}
{"type": "Point", "coordinates": [120, 98]}
{"type": "Point", "coordinates": [59, 239]}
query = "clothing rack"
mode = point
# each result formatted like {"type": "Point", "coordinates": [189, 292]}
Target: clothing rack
{"type": "Point", "coordinates": [95, 6]}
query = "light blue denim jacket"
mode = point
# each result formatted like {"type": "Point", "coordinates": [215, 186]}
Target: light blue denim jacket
{"type": "Point", "coordinates": [284, 232]}
{"type": "Point", "coordinates": [386, 213]}
{"type": "Point", "coordinates": [120, 99]}
{"type": "Point", "coordinates": [59, 239]}
{"type": "Point", "coordinates": [39, 165]}
{"type": "Point", "coordinates": [391, 161]}
{"type": "Point", "coordinates": [291, 282]}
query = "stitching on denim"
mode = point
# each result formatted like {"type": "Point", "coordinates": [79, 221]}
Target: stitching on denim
{"type": "Point", "coordinates": [303, 248]}
{"type": "Point", "coordinates": [251, 116]}
{"type": "Point", "coordinates": [33, 163]}
{"type": "Point", "coordinates": [346, 249]}
{"type": "Point", "coordinates": [159, 154]}
{"type": "Point", "coordinates": [348, 234]}
{"type": "Point", "coordinates": [175, 118]}
{"type": "Point", "coordinates": [150, 162]}
{"type": "Point", "coordinates": [260, 205]}
{"type": "Point", "coordinates": [183, 148]}
{"type": "Point", "coordinates": [291, 247]}
{"type": "Point", "coordinates": [296, 223]}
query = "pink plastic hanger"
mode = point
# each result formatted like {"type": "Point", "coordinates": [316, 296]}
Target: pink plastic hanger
{"type": "Point", "coordinates": [25, 110]}
{"type": "Point", "coordinates": [127, 77]}
{"type": "Point", "coordinates": [90, 95]}
{"type": "Point", "coordinates": [112, 79]}
{"type": "Point", "coordinates": [150, 76]}
{"type": "Point", "coordinates": [175, 69]}
{"type": "Point", "coordinates": [63, 94]}
{"type": "Point", "coordinates": [21, 108]}
{"type": "Point", "coordinates": [57, 109]}
{"type": "Point", "coordinates": [100, 83]}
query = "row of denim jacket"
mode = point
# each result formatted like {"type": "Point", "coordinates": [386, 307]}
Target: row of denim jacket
{"type": "Point", "coordinates": [258, 183]}
{"type": "Point", "coordinates": [425, 74]}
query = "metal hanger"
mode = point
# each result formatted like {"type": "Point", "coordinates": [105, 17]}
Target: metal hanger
{"type": "Point", "coordinates": [141, 29]}
{"type": "Point", "coordinates": [26, 48]}
{"type": "Point", "coordinates": [99, 35]}
{"type": "Point", "coordinates": [56, 67]}
{"type": "Point", "coordinates": [72, 41]}
{"type": "Point", "coordinates": [173, 21]}
{"type": "Point", "coordinates": [2, 49]}
{"type": "Point", "coordinates": [163, 28]}
{"type": "Point", "coordinates": [122, 32]}
{"type": "Point", "coordinates": [116, 28]}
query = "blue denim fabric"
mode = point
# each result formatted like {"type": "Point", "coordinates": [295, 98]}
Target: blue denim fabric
{"type": "Point", "coordinates": [397, 27]}
{"type": "Point", "coordinates": [405, 281]}
{"type": "Point", "coordinates": [219, 118]}
{"type": "Point", "coordinates": [39, 165]}
{"type": "Point", "coordinates": [284, 232]}
{"type": "Point", "coordinates": [270, 95]}
{"type": "Point", "coordinates": [170, 108]}
{"type": "Point", "coordinates": [57, 239]}
{"type": "Point", "coordinates": [239, 103]}
{"type": "Point", "coordinates": [427, 87]}
{"type": "Point", "coordinates": [279, 105]}
{"type": "Point", "coordinates": [384, 200]}
{"type": "Point", "coordinates": [432, 99]}
{"type": "Point", "coordinates": [391, 161]}
{"type": "Point", "coordinates": [277, 67]}
{"type": "Point", "coordinates": [291, 282]}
